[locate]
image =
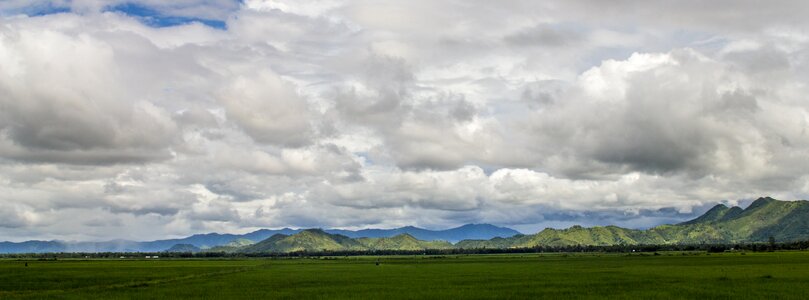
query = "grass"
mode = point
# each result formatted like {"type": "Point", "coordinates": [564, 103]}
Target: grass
{"type": "Point", "coordinates": [780, 275]}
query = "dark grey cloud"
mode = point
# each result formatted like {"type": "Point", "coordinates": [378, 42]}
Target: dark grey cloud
{"type": "Point", "coordinates": [12, 218]}
{"type": "Point", "coordinates": [760, 61]}
{"type": "Point", "coordinates": [383, 101]}
{"type": "Point", "coordinates": [268, 109]}
{"type": "Point", "coordinates": [726, 15]}
{"type": "Point", "coordinates": [543, 36]}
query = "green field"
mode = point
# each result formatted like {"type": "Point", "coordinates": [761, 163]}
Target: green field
{"type": "Point", "coordinates": [781, 275]}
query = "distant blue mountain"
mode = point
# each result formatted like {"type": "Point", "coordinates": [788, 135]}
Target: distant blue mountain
{"type": "Point", "coordinates": [453, 235]}
{"type": "Point", "coordinates": [32, 247]}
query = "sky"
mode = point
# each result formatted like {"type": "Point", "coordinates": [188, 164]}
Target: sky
{"type": "Point", "coordinates": [153, 119]}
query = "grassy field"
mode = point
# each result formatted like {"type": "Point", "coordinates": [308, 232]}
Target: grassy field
{"type": "Point", "coordinates": [779, 275]}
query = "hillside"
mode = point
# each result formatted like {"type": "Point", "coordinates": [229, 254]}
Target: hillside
{"type": "Point", "coordinates": [231, 247]}
{"type": "Point", "coordinates": [403, 242]}
{"type": "Point", "coordinates": [183, 248]}
{"type": "Point", "coordinates": [306, 240]}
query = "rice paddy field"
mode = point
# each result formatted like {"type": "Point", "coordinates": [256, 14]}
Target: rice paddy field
{"type": "Point", "coordinates": [775, 275]}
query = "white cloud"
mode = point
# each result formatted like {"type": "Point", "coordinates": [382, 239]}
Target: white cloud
{"type": "Point", "coordinates": [267, 108]}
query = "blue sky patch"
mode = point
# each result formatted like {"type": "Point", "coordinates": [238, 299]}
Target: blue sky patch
{"type": "Point", "coordinates": [37, 10]}
{"type": "Point", "coordinates": [146, 14]}
{"type": "Point", "coordinates": [154, 18]}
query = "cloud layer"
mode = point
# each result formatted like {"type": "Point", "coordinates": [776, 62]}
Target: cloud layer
{"type": "Point", "coordinates": [361, 114]}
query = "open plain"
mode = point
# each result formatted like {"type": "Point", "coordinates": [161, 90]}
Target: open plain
{"type": "Point", "coordinates": [665, 275]}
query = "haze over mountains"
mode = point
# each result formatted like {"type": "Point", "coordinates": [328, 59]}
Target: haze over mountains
{"type": "Point", "coordinates": [202, 241]}
{"type": "Point", "coordinates": [765, 218]}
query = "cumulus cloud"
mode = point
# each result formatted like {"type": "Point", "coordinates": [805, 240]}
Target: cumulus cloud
{"type": "Point", "coordinates": [15, 217]}
{"type": "Point", "coordinates": [65, 98]}
{"type": "Point", "coordinates": [677, 112]}
{"type": "Point", "coordinates": [267, 108]}
{"type": "Point", "coordinates": [358, 114]}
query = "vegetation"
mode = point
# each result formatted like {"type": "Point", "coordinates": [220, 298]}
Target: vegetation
{"type": "Point", "coordinates": [307, 240]}
{"type": "Point", "coordinates": [183, 248]}
{"type": "Point", "coordinates": [662, 275]}
{"type": "Point", "coordinates": [402, 242]}
{"type": "Point", "coordinates": [232, 247]}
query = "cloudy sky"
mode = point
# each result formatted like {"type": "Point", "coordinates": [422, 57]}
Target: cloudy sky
{"type": "Point", "coordinates": [152, 119]}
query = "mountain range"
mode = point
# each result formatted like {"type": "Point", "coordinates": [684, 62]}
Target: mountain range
{"type": "Point", "coordinates": [225, 241]}
{"type": "Point", "coordinates": [765, 219]}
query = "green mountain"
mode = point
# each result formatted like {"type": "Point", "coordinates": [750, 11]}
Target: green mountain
{"type": "Point", "coordinates": [497, 243]}
{"type": "Point", "coordinates": [306, 240]}
{"type": "Point", "coordinates": [402, 242]}
{"type": "Point", "coordinates": [576, 235]}
{"type": "Point", "coordinates": [717, 213]}
{"type": "Point", "coordinates": [183, 248]}
{"type": "Point", "coordinates": [232, 246]}
{"type": "Point", "coordinates": [267, 245]}
{"type": "Point", "coordinates": [239, 243]}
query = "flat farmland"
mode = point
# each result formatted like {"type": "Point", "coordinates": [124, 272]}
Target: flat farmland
{"type": "Point", "coordinates": [673, 275]}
